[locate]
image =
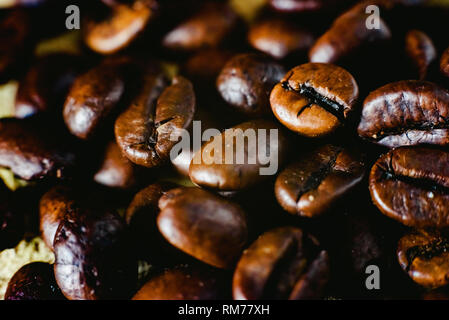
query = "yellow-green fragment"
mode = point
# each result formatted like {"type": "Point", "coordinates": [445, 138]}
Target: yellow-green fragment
{"type": "Point", "coordinates": [68, 42]}
{"type": "Point", "coordinates": [11, 181]}
{"type": "Point", "coordinates": [8, 92]}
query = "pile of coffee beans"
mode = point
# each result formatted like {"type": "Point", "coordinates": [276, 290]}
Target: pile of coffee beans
{"type": "Point", "coordinates": [190, 149]}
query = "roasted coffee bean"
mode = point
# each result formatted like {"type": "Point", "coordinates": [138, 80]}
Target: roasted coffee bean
{"type": "Point", "coordinates": [246, 82]}
{"type": "Point", "coordinates": [284, 263]}
{"type": "Point", "coordinates": [54, 205]}
{"type": "Point", "coordinates": [229, 162]}
{"type": "Point", "coordinates": [205, 65]}
{"type": "Point", "coordinates": [113, 3]}
{"type": "Point", "coordinates": [45, 84]}
{"type": "Point", "coordinates": [310, 186]}
{"type": "Point", "coordinates": [209, 27]}
{"type": "Point", "coordinates": [34, 281]}
{"type": "Point", "coordinates": [183, 283]}
{"type": "Point", "coordinates": [206, 226]}
{"type": "Point", "coordinates": [24, 3]}
{"type": "Point", "coordinates": [120, 27]}
{"type": "Point", "coordinates": [15, 29]}
{"type": "Point", "coordinates": [279, 38]}
{"type": "Point", "coordinates": [302, 5]}
{"type": "Point", "coordinates": [155, 120]}
{"type": "Point", "coordinates": [410, 185]}
{"type": "Point", "coordinates": [314, 99]}
{"type": "Point", "coordinates": [31, 152]}
{"type": "Point", "coordinates": [92, 256]}
{"type": "Point", "coordinates": [421, 51]}
{"type": "Point", "coordinates": [347, 34]}
{"type": "Point", "coordinates": [444, 64]}
{"type": "Point", "coordinates": [116, 171]}
{"type": "Point", "coordinates": [424, 256]}
{"type": "Point", "coordinates": [406, 113]}
{"type": "Point", "coordinates": [93, 96]}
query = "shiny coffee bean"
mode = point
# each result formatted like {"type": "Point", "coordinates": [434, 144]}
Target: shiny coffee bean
{"type": "Point", "coordinates": [301, 5]}
{"type": "Point", "coordinates": [116, 171]}
{"type": "Point", "coordinates": [314, 99]}
{"type": "Point", "coordinates": [279, 38]}
{"type": "Point", "coordinates": [45, 84]}
{"type": "Point", "coordinates": [34, 281]}
{"type": "Point", "coordinates": [421, 51]}
{"type": "Point", "coordinates": [312, 185]}
{"type": "Point", "coordinates": [208, 227]}
{"type": "Point", "coordinates": [207, 28]}
{"type": "Point", "coordinates": [246, 82]}
{"type": "Point", "coordinates": [120, 27]}
{"type": "Point", "coordinates": [410, 185]}
{"type": "Point", "coordinates": [183, 283]}
{"type": "Point", "coordinates": [347, 34]}
{"type": "Point", "coordinates": [31, 152]}
{"type": "Point", "coordinates": [284, 263]}
{"type": "Point", "coordinates": [94, 96]}
{"type": "Point", "coordinates": [92, 256]}
{"type": "Point", "coordinates": [444, 64]}
{"type": "Point", "coordinates": [425, 257]}
{"type": "Point", "coordinates": [15, 29]}
{"type": "Point", "coordinates": [229, 162]}
{"type": "Point", "coordinates": [153, 123]}
{"type": "Point", "coordinates": [406, 113]}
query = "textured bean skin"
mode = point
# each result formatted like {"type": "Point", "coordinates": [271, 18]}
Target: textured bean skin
{"type": "Point", "coordinates": [406, 113]}
{"type": "Point", "coordinates": [203, 225]}
{"type": "Point", "coordinates": [334, 93]}
{"type": "Point", "coordinates": [421, 50]}
{"type": "Point", "coordinates": [423, 255]}
{"type": "Point", "coordinates": [34, 281]}
{"type": "Point", "coordinates": [312, 185]}
{"type": "Point", "coordinates": [410, 185]}
{"type": "Point", "coordinates": [282, 263]}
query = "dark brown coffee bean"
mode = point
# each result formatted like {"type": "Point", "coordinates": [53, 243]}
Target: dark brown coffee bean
{"type": "Point", "coordinates": [208, 227]}
{"type": "Point", "coordinates": [31, 152]}
{"type": "Point", "coordinates": [246, 82]}
{"type": "Point", "coordinates": [421, 50]}
{"type": "Point", "coordinates": [347, 34]}
{"type": "Point", "coordinates": [425, 257]}
{"type": "Point", "coordinates": [283, 263]}
{"type": "Point", "coordinates": [93, 97]}
{"type": "Point", "coordinates": [314, 99]}
{"type": "Point", "coordinates": [149, 128]}
{"type": "Point", "coordinates": [54, 205]}
{"type": "Point", "coordinates": [410, 185]}
{"type": "Point", "coordinates": [312, 185]}
{"type": "Point", "coordinates": [34, 281]}
{"type": "Point", "coordinates": [302, 5]}
{"type": "Point", "coordinates": [205, 65]}
{"type": "Point", "coordinates": [45, 84]}
{"type": "Point", "coordinates": [116, 171]}
{"type": "Point", "coordinates": [231, 162]}
{"type": "Point", "coordinates": [406, 113]}
{"type": "Point", "coordinates": [444, 64]}
{"type": "Point", "coordinates": [209, 27]}
{"type": "Point", "coordinates": [183, 283]}
{"type": "Point", "coordinates": [92, 255]}
{"type": "Point", "coordinates": [120, 27]}
{"type": "Point", "coordinates": [279, 38]}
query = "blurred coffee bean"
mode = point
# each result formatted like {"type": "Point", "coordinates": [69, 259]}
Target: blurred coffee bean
{"type": "Point", "coordinates": [119, 27]}
{"type": "Point", "coordinates": [303, 5]}
{"type": "Point", "coordinates": [34, 281]}
{"type": "Point", "coordinates": [424, 256]}
{"type": "Point", "coordinates": [32, 152]}
{"type": "Point", "coordinates": [245, 82]}
{"type": "Point", "coordinates": [45, 84]}
{"type": "Point", "coordinates": [208, 227]}
{"type": "Point", "coordinates": [421, 51]}
{"type": "Point", "coordinates": [407, 112]}
{"type": "Point", "coordinates": [284, 263]}
{"type": "Point", "coordinates": [410, 185]}
{"type": "Point", "coordinates": [229, 162]}
{"type": "Point", "coordinates": [209, 27]}
{"type": "Point", "coordinates": [184, 283]}
{"type": "Point", "coordinates": [155, 120]}
{"type": "Point", "coordinates": [279, 38]}
{"type": "Point", "coordinates": [205, 65]}
{"type": "Point", "coordinates": [312, 185]}
{"type": "Point", "coordinates": [444, 64]}
{"type": "Point", "coordinates": [315, 99]}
